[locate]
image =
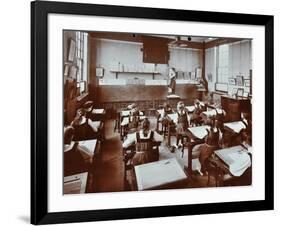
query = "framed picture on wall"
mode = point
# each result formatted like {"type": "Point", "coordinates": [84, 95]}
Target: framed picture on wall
{"type": "Point", "coordinates": [247, 82]}
{"type": "Point", "coordinates": [239, 80]}
{"type": "Point", "coordinates": [234, 91]}
{"type": "Point", "coordinates": [240, 92]}
{"type": "Point", "coordinates": [232, 81]}
{"type": "Point", "coordinates": [99, 72]}
{"type": "Point", "coordinates": [108, 163]}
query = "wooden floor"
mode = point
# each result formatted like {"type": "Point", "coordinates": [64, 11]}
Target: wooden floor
{"type": "Point", "coordinates": [109, 175]}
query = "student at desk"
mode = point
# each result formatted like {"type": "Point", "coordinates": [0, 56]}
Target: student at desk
{"type": "Point", "coordinates": [246, 133]}
{"type": "Point", "coordinates": [182, 125]}
{"type": "Point", "coordinates": [242, 132]}
{"type": "Point", "coordinates": [83, 126]}
{"type": "Point", "coordinates": [209, 98]}
{"type": "Point", "coordinates": [167, 110]}
{"type": "Point", "coordinates": [143, 140]}
{"type": "Point", "coordinates": [196, 117]}
{"type": "Point", "coordinates": [130, 122]}
{"type": "Point", "coordinates": [212, 140]}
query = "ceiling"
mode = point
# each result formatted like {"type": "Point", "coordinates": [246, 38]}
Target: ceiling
{"type": "Point", "coordinates": [185, 38]}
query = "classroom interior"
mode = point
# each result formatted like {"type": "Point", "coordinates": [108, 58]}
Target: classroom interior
{"type": "Point", "coordinates": [152, 111]}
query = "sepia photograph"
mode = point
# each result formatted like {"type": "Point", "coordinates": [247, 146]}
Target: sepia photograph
{"type": "Point", "coordinates": [141, 114]}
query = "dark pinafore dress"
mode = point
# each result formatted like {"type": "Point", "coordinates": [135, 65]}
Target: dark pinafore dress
{"type": "Point", "coordinates": [207, 149]}
{"type": "Point", "coordinates": [182, 125]}
{"type": "Point", "coordinates": [144, 149]}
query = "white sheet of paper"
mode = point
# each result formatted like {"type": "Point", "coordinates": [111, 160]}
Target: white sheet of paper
{"type": "Point", "coordinates": [174, 117]}
{"type": "Point", "coordinates": [88, 146]}
{"type": "Point", "coordinates": [72, 182]}
{"type": "Point", "coordinates": [171, 96]}
{"type": "Point", "coordinates": [69, 147]}
{"type": "Point", "coordinates": [98, 111]}
{"type": "Point", "coordinates": [235, 126]}
{"type": "Point", "coordinates": [236, 158]}
{"type": "Point", "coordinates": [199, 131]}
{"type": "Point", "coordinates": [158, 173]}
{"type": "Point", "coordinates": [161, 112]}
{"type": "Point", "coordinates": [190, 108]}
{"type": "Point", "coordinates": [210, 113]}
{"type": "Point", "coordinates": [125, 113]}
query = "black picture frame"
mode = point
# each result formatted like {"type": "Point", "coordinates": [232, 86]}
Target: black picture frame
{"type": "Point", "coordinates": [39, 112]}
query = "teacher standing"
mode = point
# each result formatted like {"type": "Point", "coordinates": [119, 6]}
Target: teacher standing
{"type": "Point", "coordinates": [172, 82]}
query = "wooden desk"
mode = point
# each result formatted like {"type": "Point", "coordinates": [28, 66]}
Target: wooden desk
{"type": "Point", "coordinates": [75, 184]}
{"type": "Point", "coordinates": [234, 107]}
{"type": "Point", "coordinates": [234, 127]}
{"type": "Point", "coordinates": [81, 156]}
{"type": "Point", "coordinates": [161, 174]}
{"type": "Point", "coordinates": [98, 114]}
{"type": "Point", "coordinates": [190, 109]}
{"type": "Point", "coordinates": [171, 125]}
{"type": "Point", "coordinates": [90, 148]}
{"type": "Point", "coordinates": [208, 114]}
{"type": "Point", "coordinates": [173, 99]}
{"type": "Point", "coordinates": [196, 136]}
{"type": "Point", "coordinates": [235, 158]}
{"type": "Point", "coordinates": [159, 116]}
{"type": "Point", "coordinates": [125, 120]}
{"type": "Point", "coordinates": [197, 132]}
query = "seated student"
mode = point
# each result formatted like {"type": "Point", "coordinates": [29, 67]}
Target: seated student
{"type": "Point", "coordinates": [196, 116]}
{"type": "Point", "coordinates": [130, 122]}
{"type": "Point", "coordinates": [167, 109]}
{"type": "Point", "coordinates": [131, 106]}
{"type": "Point", "coordinates": [164, 119]}
{"type": "Point", "coordinates": [88, 107]}
{"type": "Point", "coordinates": [210, 98]}
{"type": "Point", "coordinates": [76, 158]}
{"type": "Point", "coordinates": [204, 151]}
{"type": "Point", "coordinates": [246, 133]}
{"type": "Point", "coordinates": [219, 119]}
{"type": "Point", "coordinates": [68, 134]}
{"type": "Point", "coordinates": [182, 124]}
{"type": "Point", "coordinates": [143, 141]}
{"type": "Point", "coordinates": [83, 126]}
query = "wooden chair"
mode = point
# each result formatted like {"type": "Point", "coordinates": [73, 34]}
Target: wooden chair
{"type": "Point", "coordinates": [128, 155]}
{"type": "Point", "coordinates": [216, 169]}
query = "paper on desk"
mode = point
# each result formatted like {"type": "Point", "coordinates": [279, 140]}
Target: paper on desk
{"type": "Point", "coordinates": [125, 113]}
{"type": "Point", "coordinates": [190, 108]}
{"type": "Point", "coordinates": [235, 126]}
{"type": "Point", "coordinates": [72, 187]}
{"type": "Point", "coordinates": [158, 173]}
{"type": "Point", "coordinates": [161, 112]}
{"type": "Point", "coordinates": [199, 131]}
{"type": "Point", "coordinates": [210, 113]}
{"type": "Point", "coordinates": [69, 147]}
{"type": "Point", "coordinates": [125, 121]}
{"type": "Point", "coordinates": [174, 117]}
{"type": "Point", "coordinates": [173, 96]}
{"type": "Point", "coordinates": [98, 111]}
{"type": "Point", "coordinates": [240, 159]}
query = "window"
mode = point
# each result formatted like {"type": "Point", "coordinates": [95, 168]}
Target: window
{"type": "Point", "coordinates": [222, 65]}
{"type": "Point", "coordinates": [82, 58]}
